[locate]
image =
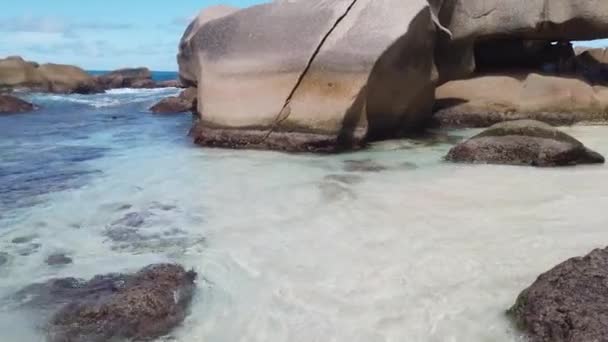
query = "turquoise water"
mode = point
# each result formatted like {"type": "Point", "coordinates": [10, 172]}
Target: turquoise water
{"type": "Point", "coordinates": [288, 247]}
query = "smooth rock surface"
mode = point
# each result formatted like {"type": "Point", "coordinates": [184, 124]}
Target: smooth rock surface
{"type": "Point", "coordinates": [330, 75]}
{"type": "Point", "coordinates": [15, 72]}
{"type": "Point", "coordinates": [488, 99]}
{"type": "Point", "coordinates": [523, 142]}
{"type": "Point", "coordinates": [10, 104]}
{"type": "Point", "coordinates": [567, 303]}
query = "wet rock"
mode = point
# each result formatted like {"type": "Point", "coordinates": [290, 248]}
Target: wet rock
{"type": "Point", "coordinates": [333, 191]}
{"type": "Point", "coordinates": [11, 104]}
{"type": "Point", "coordinates": [365, 165]}
{"type": "Point", "coordinates": [140, 306]}
{"type": "Point", "coordinates": [523, 142]}
{"type": "Point", "coordinates": [568, 303]}
{"type": "Point", "coordinates": [58, 259]}
{"type": "Point", "coordinates": [184, 102]}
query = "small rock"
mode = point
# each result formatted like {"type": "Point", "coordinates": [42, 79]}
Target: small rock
{"type": "Point", "coordinates": [10, 104]}
{"type": "Point", "coordinates": [142, 306]}
{"type": "Point", "coordinates": [523, 142]}
{"type": "Point", "coordinates": [567, 303]}
{"type": "Point", "coordinates": [58, 259]}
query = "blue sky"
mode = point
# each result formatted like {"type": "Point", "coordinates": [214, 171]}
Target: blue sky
{"type": "Point", "coordinates": [99, 34]}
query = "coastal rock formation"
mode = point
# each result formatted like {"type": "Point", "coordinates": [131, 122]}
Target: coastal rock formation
{"type": "Point", "coordinates": [523, 142]}
{"type": "Point", "coordinates": [10, 104]}
{"type": "Point", "coordinates": [332, 73]}
{"type": "Point", "coordinates": [15, 72]}
{"type": "Point", "coordinates": [127, 78]}
{"type": "Point", "coordinates": [139, 306]}
{"type": "Point", "coordinates": [339, 72]}
{"type": "Point", "coordinates": [487, 99]}
{"type": "Point", "coordinates": [568, 303]}
{"type": "Point", "coordinates": [184, 102]}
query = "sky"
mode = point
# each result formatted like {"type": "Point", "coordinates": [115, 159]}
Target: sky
{"type": "Point", "coordinates": [100, 34]}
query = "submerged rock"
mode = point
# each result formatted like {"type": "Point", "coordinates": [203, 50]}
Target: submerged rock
{"type": "Point", "coordinates": [23, 239]}
{"type": "Point", "coordinates": [568, 303]}
{"type": "Point", "coordinates": [58, 259]}
{"type": "Point", "coordinates": [365, 165]}
{"type": "Point", "coordinates": [523, 142]}
{"type": "Point", "coordinates": [10, 104]}
{"type": "Point", "coordinates": [139, 306]}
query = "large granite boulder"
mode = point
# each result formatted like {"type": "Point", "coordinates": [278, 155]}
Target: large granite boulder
{"type": "Point", "coordinates": [184, 102]}
{"type": "Point", "coordinates": [10, 105]}
{"type": "Point", "coordinates": [523, 142]}
{"type": "Point", "coordinates": [15, 72]}
{"type": "Point", "coordinates": [140, 306]}
{"type": "Point", "coordinates": [568, 303]}
{"type": "Point", "coordinates": [491, 98]}
{"type": "Point", "coordinates": [333, 73]}
{"type": "Point", "coordinates": [311, 75]}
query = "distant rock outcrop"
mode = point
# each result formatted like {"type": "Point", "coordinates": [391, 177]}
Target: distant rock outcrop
{"type": "Point", "coordinates": [140, 306]}
{"type": "Point", "coordinates": [127, 78]}
{"type": "Point", "coordinates": [523, 142]}
{"type": "Point", "coordinates": [15, 72]}
{"type": "Point", "coordinates": [10, 105]}
{"type": "Point", "coordinates": [567, 303]}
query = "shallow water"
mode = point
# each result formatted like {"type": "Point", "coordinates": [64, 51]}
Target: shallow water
{"type": "Point", "coordinates": [288, 247]}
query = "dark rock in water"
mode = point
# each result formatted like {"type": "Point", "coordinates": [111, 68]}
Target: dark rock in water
{"type": "Point", "coordinates": [127, 78]}
{"type": "Point", "coordinates": [170, 84]}
{"type": "Point", "coordinates": [23, 239]}
{"type": "Point", "coordinates": [523, 142]}
{"type": "Point", "coordinates": [366, 165]}
{"type": "Point", "coordinates": [58, 259]}
{"type": "Point", "coordinates": [10, 104]}
{"type": "Point", "coordinates": [568, 303]}
{"type": "Point", "coordinates": [185, 102]}
{"type": "Point", "coordinates": [140, 306]}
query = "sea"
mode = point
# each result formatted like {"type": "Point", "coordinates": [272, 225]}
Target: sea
{"type": "Point", "coordinates": [388, 244]}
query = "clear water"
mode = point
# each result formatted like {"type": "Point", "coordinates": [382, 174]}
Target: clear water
{"type": "Point", "coordinates": [288, 247]}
